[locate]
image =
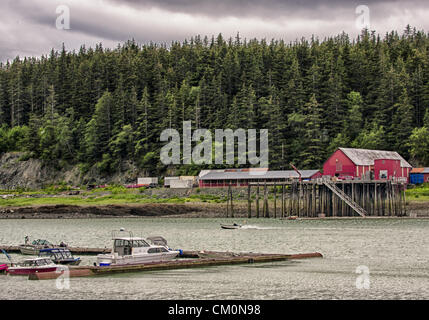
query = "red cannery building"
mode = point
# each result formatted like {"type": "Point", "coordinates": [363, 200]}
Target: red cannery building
{"type": "Point", "coordinates": [349, 163]}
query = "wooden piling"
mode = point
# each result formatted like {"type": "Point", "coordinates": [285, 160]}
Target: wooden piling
{"type": "Point", "coordinates": [249, 203]}
{"type": "Point", "coordinates": [311, 198]}
{"type": "Point", "coordinates": [257, 201]}
{"type": "Point", "coordinates": [283, 201]}
{"type": "Point", "coordinates": [266, 213]}
{"type": "Point", "coordinates": [275, 200]}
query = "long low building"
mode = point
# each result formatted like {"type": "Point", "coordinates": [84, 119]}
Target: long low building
{"type": "Point", "coordinates": [242, 177]}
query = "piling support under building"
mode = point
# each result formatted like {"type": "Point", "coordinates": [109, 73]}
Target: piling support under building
{"type": "Point", "coordinates": [316, 198]}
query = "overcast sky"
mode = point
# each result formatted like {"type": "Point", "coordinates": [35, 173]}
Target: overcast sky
{"type": "Point", "coordinates": [29, 28]}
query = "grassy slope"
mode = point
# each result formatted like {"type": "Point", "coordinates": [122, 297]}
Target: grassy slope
{"type": "Point", "coordinates": [104, 196]}
{"type": "Point", "coordinates": [419, 193]}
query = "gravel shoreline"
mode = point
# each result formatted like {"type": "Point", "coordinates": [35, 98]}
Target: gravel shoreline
{"type": "Point", "coordinates": [180, 210]}
{"type": "Point", "coordinates": [113, 211]}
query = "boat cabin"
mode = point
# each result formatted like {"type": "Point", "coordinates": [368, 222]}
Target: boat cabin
{"type": "Point", "coordinates": [128, 246]}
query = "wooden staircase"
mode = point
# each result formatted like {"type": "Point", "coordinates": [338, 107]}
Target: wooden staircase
{"type": "Point", "coordinates": [343, 196]}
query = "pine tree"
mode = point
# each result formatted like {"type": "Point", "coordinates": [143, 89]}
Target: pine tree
{"type": "Point", "coordinates": [426, 119]}
{"type": "Point", "coordinates": [51, 103]}
{"type": "Point", "coordinates": [313, 153]}
{"type": "Point", "coordinates": [353, 123]}
{"type": "Point", "coordinates": [402, 124]}
{"type": "Point", "coordinates": [99, 130]}
{"type": "Point", "coordinates": [419, 146]}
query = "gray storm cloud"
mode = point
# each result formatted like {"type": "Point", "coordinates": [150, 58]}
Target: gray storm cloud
{"type": "Point", "coordinates": [27, 28]}
{"type": "Point", "coordinates": [267, 8]}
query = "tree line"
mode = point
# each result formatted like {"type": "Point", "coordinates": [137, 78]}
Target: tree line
{"type": "Point", "coordinates": [100, 107]}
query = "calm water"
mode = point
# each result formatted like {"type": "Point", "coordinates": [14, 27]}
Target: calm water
{"type": "Point", "coordinates": [396, 251]}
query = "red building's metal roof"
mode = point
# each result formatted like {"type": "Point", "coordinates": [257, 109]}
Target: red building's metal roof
{"type": "Point", "coordinates": [366, 157]}
{"type": "Point", "coordinates": [254, 174]}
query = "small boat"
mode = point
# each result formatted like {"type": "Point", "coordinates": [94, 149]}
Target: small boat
{"type": "Point", "coordinates": [130, 250]}
{"type": "Point", "coordinates": [60, 256]}
{"type": "Point", "coordinates": [33, 265]}
{"type": "Point", "coordinates": [230, 226]}
{"type": "Point", "coordinates": [34, 248]}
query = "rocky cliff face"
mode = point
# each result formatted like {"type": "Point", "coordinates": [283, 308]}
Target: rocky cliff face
{"type": "Point", "coordinates": [33, 174]}
{"type": "Point", "coordinates": [21, 174]}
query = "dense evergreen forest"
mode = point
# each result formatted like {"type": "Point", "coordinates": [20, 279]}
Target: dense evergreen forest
{"type": "Point", "coordinates": [100, 107]}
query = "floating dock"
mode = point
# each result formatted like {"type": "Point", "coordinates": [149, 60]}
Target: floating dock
{"type": "Point", "coordinates": [201, 259]}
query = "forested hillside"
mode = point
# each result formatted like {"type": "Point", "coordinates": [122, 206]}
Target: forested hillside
{"type": "Point", "coordinates": [99, 107]}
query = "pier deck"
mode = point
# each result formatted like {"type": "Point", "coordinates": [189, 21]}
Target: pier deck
{"type": "Point", "coordinates": [208, 259]}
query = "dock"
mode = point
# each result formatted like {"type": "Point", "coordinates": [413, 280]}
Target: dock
{"type": "Point", "coordinates": [205, 259]}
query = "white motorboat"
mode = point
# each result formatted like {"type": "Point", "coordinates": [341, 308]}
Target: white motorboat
{"type": "Point", "coordinates": [130, 250]}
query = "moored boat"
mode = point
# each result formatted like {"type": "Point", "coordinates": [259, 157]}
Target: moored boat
{"type": "Point", "coordinates": [130, 250]}
{"type": "Point", "coordinates": [35, 247]}
{"type": "Point", "coordinates": [60, 256]}
{"type": "Point", "coordinates": [33, 265]}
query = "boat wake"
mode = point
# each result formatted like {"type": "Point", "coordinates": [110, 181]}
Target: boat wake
{"type": "Point", "coordinates": [248, 226]}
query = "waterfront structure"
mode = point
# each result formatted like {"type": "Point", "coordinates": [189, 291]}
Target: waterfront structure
{"type": "Point", "coordinates": [147, 180]}
{"type": "Point", "coordinates": [419, 175]}
{"type": "Point", "coordinates": [168, 180]}
{"type": "Point", "coordinates": [322, 197]}
{"type": "Point", "coordinates": [350, 163]}
{"type": "Point", "coordinates": [180, 182]}
{"type": "Point", "coordinates": [242, 177]}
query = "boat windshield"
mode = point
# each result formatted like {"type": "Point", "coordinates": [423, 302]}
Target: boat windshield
{"type": "Point", "coordinates": [67, 254]}
{"type": "Point", "coordinates": [40, 242]}
{"type": "Point", "coordinates": [140, 243]}
{"type": "Point", "coordinates": [131, 243]}
{"type": "Point", "coordinates": [34, 263]}
{"type": "Point", "coordinates": [42, 262]}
